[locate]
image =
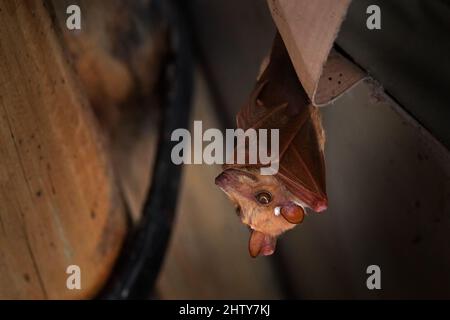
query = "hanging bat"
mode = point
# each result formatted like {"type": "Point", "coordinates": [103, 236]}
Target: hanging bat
{"type": "Point", "coordinates": [273, 204]}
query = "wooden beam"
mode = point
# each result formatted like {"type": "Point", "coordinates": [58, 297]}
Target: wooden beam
{"type": "Point", "coordinates": [58, 202]}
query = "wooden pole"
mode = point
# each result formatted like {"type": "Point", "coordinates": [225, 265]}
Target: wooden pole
{"type": "Point", "coordinates": [58, 202]}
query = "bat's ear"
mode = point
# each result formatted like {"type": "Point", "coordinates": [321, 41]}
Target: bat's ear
{"type": "Point", "coordinates": [261, 243]}
{"type": "Point", "coordinates": [293, 213]}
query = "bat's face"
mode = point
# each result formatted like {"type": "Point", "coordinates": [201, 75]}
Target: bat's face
{"type": "Point", "coordinates": [263, 204]}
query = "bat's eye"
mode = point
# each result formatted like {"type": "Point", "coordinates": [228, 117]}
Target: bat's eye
{"type": "Point", "coordinates": [263, 197]}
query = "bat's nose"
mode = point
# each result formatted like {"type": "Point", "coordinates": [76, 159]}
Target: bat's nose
{"type": "Point", "coordinates": [221, 180]}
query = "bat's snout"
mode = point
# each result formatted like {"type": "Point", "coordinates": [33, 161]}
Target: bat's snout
{"type": "Point", "coordinates": [222, 180]}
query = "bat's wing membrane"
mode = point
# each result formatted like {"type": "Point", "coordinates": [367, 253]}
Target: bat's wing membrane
{"type": "Point", "coordinates": [279, 101]}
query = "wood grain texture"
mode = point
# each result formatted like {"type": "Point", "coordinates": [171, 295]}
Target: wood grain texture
{"type": "Point", "coordinates": [58, 202]}
{"type": "Point", "coordinates": [119, 56]}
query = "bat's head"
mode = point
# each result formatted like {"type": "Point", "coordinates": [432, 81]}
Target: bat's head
{"type": "Point", "coordinates": [263, 204]}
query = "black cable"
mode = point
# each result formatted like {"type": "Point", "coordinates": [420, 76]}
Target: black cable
{"type": "Point", "coordinates": [139, 265]}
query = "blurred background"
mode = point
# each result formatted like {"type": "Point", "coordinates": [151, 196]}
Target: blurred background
{"type": "Point", "coordinates": [86, 171]}
{"type": "Point", "coordinates": [387, 163]}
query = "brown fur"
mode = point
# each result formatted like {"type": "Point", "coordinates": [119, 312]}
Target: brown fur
{"type": "Point", "coordinates": [278, 101]}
